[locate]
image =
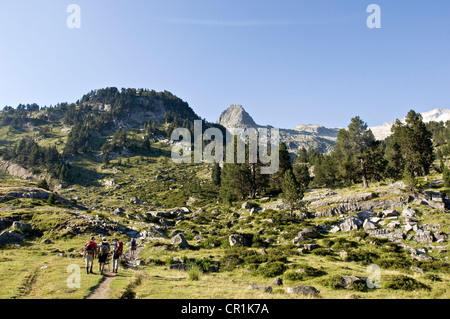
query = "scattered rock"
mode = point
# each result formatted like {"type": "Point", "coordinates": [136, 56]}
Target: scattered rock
{"type": "Point", "coordinates": [304, 290]}
{"type": "Point", "coordinates": [236, 239]}
{"type": "Point", "coordinates": [366, 214]}
{"type": "Point", "coordinates": [11, 237]}
{"type": "Point", "coordinates": [310, 247]}
{"type": "Point", "coordinates": [393, 224]}
{"type": "Point", "coordinates": [440, 236]}
{"type": "Point", "coordinates": [335, 229]}
{"type": "Point", "coordinates": [368, 225]}
{"type": "Point", "coordinates": [21, 225]}
{"type": "Point", "coordinates": [350, 223]}
{"type": "Point", "coordinates": [262, 288]}
{"type": "Point", "coordinates": [417, 269]}
{"type": "Point", "coordinates": [348, 281]}
{"type": "Point", "coordinates": [277, 282]}
{"type": "Point", "coordinates": [306, 233]}
{"type": "Point", "coordinates": [408, 212]}
{"type": "Point", "coordinates": [423, 236]}
{"type": "Point", "coordinates": [351, 296]}
{"type": "Point", "coordinates": [180, 241]}
{"type": "Point", "coordinates": [390, 213]}
{"type": "Point", "coordinates": [47, 241]}
{"type": "Point", "coordinates": [247, 205]}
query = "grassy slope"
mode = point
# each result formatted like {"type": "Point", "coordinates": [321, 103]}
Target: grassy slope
{"type": "Point", "coordinates": [154, 179]}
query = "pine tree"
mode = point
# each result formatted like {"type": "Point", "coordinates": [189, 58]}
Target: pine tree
{"type": "Point", "coordinates": [215, 174]}
{"type": "Point", "coordinates": [291, 192]}
{"type": "Point", "coordinates": [301, 173]}
{"type": "Point", "coordinates": [446, 176]}
{"type": "Point", "coordinates": [284, 165]}
{"type": "Point", "coordinates": [106, 159]}
{"type": "Point", "coordinates": [409, 179]}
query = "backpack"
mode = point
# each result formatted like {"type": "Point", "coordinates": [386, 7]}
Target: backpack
{"type": "Point", "coordinates": [89, 248]}
{"type": "Point", "coordinates": [133, 243]}
{"type": "Point", "coordinates": [103, 249]}
{"type": "Point", "coordinates": [119, 248]}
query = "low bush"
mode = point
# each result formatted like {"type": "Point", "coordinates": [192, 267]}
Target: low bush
{"type": "Point", "coordinates": [402, 282]}
{"type": "Point", "coordinates": [363, 256]}
{"type": "Point", "coordinates": [271, 269]}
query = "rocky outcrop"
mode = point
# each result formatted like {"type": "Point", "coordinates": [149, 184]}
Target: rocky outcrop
{"type": "Point", "coordinates": [350, 223]}
{"type": "Point", "coordinates": [179, 241]}
{"type": "Point", "coordinates": [21, 172]}
{"type": "Point", "coordinates": [11, 238]}
{"type": "Point", "coordinates": [237, 240]}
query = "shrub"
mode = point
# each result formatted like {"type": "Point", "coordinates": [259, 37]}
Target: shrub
{"type": "Point", "coordinates": [432, 277]}
{"type": "Point", "coordinates": [363, 256]}
{"type": "Point", "coordinates": [271, 269]}
{"type": "Point", "coordinates": [51, 199]}
{"type": "Point", "coordinates": [394, 263]}
{"type": "Point", "coordinates": [402, 282]}
{"type": "Point", "coordinates": [293, 275]}
{"type": "Point", "coordinates": [42, 184]}
{"type": "Point", "coordinates": [435, 265]}
{"type": "Point", "coordinates": [322, 252]}
{"type": "Point", "coordinates": [194, 272]}
{"type": "Point", "coordinates": [333, 282]}
{"type": "Point", "coordinates": [343, 244]}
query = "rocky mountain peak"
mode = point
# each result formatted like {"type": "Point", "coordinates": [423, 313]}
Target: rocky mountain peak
{"type": "Point", "coordinates": [236, 117]}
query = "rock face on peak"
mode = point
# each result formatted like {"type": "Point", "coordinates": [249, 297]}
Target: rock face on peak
{"type": "Point", "coordinates": [303, 135]}
{"type": "Point", "coordinates": [236, 117]}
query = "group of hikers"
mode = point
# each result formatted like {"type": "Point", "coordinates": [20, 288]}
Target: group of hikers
{"type": "Point", "coordinates": [103, 251]}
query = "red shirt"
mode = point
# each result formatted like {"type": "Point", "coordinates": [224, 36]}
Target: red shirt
{"type": "Point", "coordinates": [94, 244]}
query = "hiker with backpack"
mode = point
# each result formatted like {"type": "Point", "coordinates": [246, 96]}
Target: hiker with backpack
{"type": "Point", "coordinates": [90, 250]}
{"type": "Point", "coordinates": [117, 252]}
{"type": "Point", "coordinates": [133, 247]}
{"type": "Point", "coordinates": [103, 253]}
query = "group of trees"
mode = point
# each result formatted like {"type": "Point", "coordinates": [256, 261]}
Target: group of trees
{"type": "Point", "coordinates": [357, 158]}
{"type": "Point", "coordinates": [29, 154]}
{"type": "Point", "coordinates": [238, 181]}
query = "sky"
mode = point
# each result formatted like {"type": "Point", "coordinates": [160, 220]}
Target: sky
{"type": "Point", "coordinates": [286, 62]}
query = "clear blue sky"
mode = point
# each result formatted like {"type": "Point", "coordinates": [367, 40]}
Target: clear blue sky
{"type": "Point", "coordinates": [286, 62]}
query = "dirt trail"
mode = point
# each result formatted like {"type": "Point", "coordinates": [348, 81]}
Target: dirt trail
{"type": "Point", "coordinates": [102, 291]}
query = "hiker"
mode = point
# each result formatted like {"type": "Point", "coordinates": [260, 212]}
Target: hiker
{"type": "Point", "coordinates": [133, 247]}
{"type": "Point", "coordinates": [90, 251]}
{"type": "Point", "coordinates": [117, 252]}
{"type": "Point", "coordinates": [103, 252]}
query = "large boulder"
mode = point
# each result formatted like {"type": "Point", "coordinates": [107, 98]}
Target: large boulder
{"type": "Point", "coordinates": [237, 240]}
{"type": "Point", "coordinates": [350, 223]}
{"type": "Point", "coordinates": [21, 226]}
{"type": "Point", "coordinates": [304, 290]}
{"type": "Point", "coordinates": [423, 236]}
{"type": "Point", "coordinates": [349, 281]}
{"type": "Point", "coordinates": [305, 233]}
{"type": "Point", "coordinates": [366, 214]}
{"type": "Point", "coordinates": [180, 241]}
{"type": "Point", "coordinates": [11, 237]}
{"type": "Point", "coordinates": [440, 236]}
{"type": "Point", "coordinates": [389, 234]}
{"type": "Point", "coordinates": [408, 212]}
{"type": "Point", "coordinates": [368, 225]}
